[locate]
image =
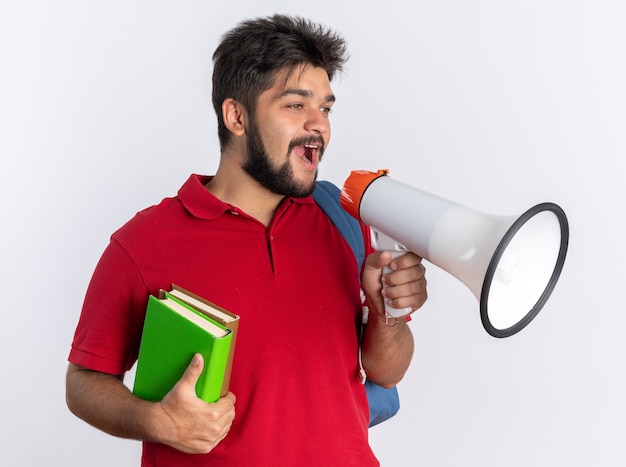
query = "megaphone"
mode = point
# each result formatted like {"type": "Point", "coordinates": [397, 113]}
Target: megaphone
{"type": "Point", "coordinates": [510, 263]}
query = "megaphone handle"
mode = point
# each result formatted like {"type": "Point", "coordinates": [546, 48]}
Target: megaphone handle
{"type": "Point", "coordinates": [380, 242]}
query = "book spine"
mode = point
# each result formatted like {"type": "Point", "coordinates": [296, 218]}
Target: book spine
{"type": "Point", "coordinates": [209, 385]}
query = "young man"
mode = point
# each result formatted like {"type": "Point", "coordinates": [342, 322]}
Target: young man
{"type": "Point", "coordinates": [252, 240]}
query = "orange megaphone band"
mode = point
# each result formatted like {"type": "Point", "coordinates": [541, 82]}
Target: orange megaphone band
{"type": "Point", "coordinates": [354, 188]}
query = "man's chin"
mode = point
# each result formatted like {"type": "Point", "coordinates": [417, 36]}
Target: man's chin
{"type": "Point", "coordinates": [307, 187]}
{"type": "Point", "coordinates": [302, 191]}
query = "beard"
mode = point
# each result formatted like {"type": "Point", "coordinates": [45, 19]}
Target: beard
{"type": "Point", "coordinates": [278, 179]}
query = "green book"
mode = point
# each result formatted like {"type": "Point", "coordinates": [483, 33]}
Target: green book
{"type": "Point", "coordinates": [213, 311]}
{"type": "Point", "coordinates": [172, 334]}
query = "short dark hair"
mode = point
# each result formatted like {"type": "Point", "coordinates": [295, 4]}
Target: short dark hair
{"type": "Point", "coordinates": [250, 56]}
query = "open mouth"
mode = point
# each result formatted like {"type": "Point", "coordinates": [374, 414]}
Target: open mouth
{"type": "Point", "coordinates": [310, 153]}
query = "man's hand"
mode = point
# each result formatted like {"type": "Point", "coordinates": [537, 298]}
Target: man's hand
{"type": "Point", "coordinates": [196, 427]}
{"type": "Point", "coordinates": [404, 287]}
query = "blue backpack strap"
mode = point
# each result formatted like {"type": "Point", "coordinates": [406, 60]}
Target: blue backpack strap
{"type": "Point", "coordinates": [327, 195]}
{"type": "Point", "coordinates": [383, 403]}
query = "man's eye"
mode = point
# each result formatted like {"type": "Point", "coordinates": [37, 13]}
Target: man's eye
{"type": "Point", "coordinates": [296, 106]}
{"type": "Point", "coordinates": [326, 110]}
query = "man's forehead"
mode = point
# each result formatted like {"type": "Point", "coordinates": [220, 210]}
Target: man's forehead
{"type": "Point", "coordinates": [305, 80]}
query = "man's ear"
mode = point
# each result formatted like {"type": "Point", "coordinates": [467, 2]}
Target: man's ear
{"type": "Point", "coordinates": [234, 116]}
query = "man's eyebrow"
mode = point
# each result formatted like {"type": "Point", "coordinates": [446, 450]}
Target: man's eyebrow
{"type": "Point", "coordinates": [305, 93]}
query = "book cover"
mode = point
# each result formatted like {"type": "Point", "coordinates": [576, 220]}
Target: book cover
{"type": "Point", "coordinates": [219, 314]}
{"type": "Point", "coordinates": [172, 334]}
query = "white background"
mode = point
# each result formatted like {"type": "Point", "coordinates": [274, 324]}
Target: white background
{"type": "Point", "coordinates": [497, 104]}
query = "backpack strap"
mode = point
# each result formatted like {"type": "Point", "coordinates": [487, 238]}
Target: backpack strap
{"type": "Point", "coordinates": [327, 196]}
{"type": "Point", "coordinates": [384, 403]}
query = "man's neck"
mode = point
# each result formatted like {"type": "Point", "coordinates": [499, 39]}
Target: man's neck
{"type": "Point", "coordinates": [234, 186]}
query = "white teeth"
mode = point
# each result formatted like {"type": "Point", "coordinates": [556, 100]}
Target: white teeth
{"type": "Point", "coordinates": [310, 146]}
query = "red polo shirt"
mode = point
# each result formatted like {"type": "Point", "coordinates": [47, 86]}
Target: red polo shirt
{"type": "Point", "coordinates": [295, 286]}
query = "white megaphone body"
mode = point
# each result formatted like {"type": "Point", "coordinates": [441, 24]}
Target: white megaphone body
{"type": "Point", "coordinates": [510, 263]}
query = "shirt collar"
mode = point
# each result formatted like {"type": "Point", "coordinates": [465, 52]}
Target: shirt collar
{"type": "Point", "coordinates": [201, 203]}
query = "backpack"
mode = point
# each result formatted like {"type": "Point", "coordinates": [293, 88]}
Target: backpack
{"type": "Point", "coordinates": [384, 403]}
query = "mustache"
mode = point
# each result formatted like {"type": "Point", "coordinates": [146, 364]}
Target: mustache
{"type": "Point", "coordinates": [313, 139]}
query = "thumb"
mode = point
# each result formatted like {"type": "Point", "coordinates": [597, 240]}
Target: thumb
{"type": "Point", "coordinates": [378, 260]}
{"type": "Point", "coordinates": [193, 371]}
{"type": "Point", "coordinates": [371, 278]}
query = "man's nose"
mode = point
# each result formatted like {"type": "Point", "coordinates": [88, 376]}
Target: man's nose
{"type": "Point", "coordinates": [317, 121]}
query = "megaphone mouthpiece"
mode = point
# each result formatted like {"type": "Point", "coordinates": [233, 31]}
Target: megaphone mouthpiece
{"type": "Point", "coordinates": [355, 186]}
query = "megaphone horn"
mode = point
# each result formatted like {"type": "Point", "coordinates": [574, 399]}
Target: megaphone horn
{"type": "Point", "coordinates": [510, 263]}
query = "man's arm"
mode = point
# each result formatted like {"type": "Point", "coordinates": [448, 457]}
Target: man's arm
{"type": "Point", "coordinates": [387, 349]}
{"type": "Point", "coordinates": [181, 420]}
